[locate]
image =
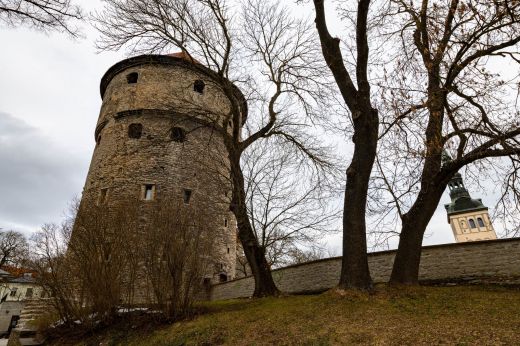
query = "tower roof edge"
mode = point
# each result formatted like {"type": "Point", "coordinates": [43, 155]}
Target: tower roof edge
{"type": "Point", "coordinates": [176, 59]}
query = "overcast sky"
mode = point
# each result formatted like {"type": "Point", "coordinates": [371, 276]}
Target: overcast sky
{"type": "Point", "coordinates": [49, 104]}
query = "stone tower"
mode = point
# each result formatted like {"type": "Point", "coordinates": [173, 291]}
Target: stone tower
{"type": "Point", "coordinates": [152, 142]}
{"type": "Point", "coordinates": [468, 217]}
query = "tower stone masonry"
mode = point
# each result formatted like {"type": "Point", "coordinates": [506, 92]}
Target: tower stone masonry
{"type": "Point", "coordinates": [153, 142]}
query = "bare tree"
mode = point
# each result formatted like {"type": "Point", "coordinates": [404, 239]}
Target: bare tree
{"type": "Point", "coordinates": [255, 45]}
{"type": "Point", "coordinates": [102, 247]}
{"type": "Point", "coordinates": [88, 266]}
{"type": "Point", "coordinates": [289, 202]}
{"type": "Point", "coordinates": [445, 93]}
{"type": "Point", "coordinates": [301, 255]}
{"type": "Point", "coordinates": [352, 80]}
{"type": "Point", "coordinates": [56, 274]}
{"type": "Point", "coordinates": [44, 15]}
{"type": "Point", "coordinates": [14, 248]}
{"type": "Point", "coordinates": [177, 254]}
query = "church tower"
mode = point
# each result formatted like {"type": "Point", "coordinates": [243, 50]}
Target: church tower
{"type": "Point", "coordinates": [468, 217]}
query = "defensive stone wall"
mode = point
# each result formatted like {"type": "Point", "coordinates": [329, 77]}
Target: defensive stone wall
{"type": "Point", "coordinates": [492, 261]}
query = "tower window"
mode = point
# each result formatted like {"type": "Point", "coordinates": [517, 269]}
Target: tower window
{"type": "Point", "coordinates": [29, 292]}
{"type": "Point", "coordinates": [135, 131]}
{"type": "Point", "coordinates": [186, 196]}
{"type": "Point", "coordinates": [149, 192]}
{"type": "Point", "coordinates": [472, 223]}
{"type": "Point", "coordinates": [178, 134]}
{"type": "Point", "coordinates": [222, 277]}
{"type": "Point", "coordinates": [131, 78]}
{"type": "Point", "coordinates": [225, 222]}
{"type": "Point", "coordinates": [480, 222]}
{"type": "Point", "coordinates": [198, 86]}
{"type": "Point", "coordinates": [98, 139]}
{"type": "Point", "coordinates": [103, 196]}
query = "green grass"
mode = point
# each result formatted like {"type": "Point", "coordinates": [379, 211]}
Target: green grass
{"type": "Point", "coordinates": [459, 315]}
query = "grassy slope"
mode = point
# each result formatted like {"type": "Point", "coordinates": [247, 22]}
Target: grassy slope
{"type": "Point", "coordinates": [460, 315]}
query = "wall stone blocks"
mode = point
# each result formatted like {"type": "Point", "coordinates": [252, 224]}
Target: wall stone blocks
{"type": "Point", "coordinates": [492, 261]}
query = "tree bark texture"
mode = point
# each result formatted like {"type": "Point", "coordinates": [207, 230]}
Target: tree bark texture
{"type": "Point", "coordinates": [407, 260]}
{"type": "Point", "coordinates": [354, 269]}
{"type": "Point", "coordinates": [255, 254]}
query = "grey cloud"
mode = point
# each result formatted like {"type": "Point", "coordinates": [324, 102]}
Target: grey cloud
{"type": "Point", "coordinates": [37, 176]}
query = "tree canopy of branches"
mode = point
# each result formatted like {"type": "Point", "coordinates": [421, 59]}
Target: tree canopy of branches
{"type": "Point", "coordinates": [289, 202]}
{"type": "Point", "coordinates": [445, 92]}
{"type": "Point", "coordinates": [43, 15]}
{"type": "Point", "coordinates": [105, 257]}
{"type": "Point", "coordinates": [258, 46]}
{"type": "Point", "coordinates": [14, 249]}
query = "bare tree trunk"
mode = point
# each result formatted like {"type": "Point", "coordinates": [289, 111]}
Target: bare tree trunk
{"type": "Point", "coordinates": [415, 221]}
{"type": "Point", "coordinates": [354, 270]}
{"type": "Point", "coordinates": [255, 254]}
{"type": "Point", "coordinates": [408, 257]}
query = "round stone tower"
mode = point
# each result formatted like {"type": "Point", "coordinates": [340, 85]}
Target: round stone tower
{"type": "Point", "coordinates": [154, 140]}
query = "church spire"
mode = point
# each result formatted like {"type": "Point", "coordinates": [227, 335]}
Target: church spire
{"type": "Point", "coordinates": [468, 217]}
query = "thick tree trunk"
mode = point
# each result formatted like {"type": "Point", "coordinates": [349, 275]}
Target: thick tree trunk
{"type": "Point", "coordinates": [405, 270]}
{"type": "Point", "coordinates": [354, 268]}
{"type": "Point", "coordinates": [354, 271]}
{"type": "Point", "coordinates": [255, 254]}
{"type": "Point", "coordinates": [408, 256]}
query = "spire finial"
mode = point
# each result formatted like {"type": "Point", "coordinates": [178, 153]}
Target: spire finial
{"type": "Point", "coordinates": [446, 157]}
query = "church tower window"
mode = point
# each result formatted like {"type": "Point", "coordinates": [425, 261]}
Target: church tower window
{"type": "Point", "coordinates": [472, 223]}
{"type": "Point", "coordinates": [480, 222]}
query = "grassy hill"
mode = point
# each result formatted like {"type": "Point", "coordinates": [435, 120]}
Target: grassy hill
{"type": "Point", "coordinates": [457, 315]}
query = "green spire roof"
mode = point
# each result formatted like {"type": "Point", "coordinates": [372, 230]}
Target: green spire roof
{"type": "Point", "coordinates": [461, 200]}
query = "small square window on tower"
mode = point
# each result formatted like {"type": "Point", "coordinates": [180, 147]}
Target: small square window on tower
{"type": "Point", "coordinates": [186, 196]}
{"type": "Point", "coordinates": [198, 86]}
{"type": "Point", "coordinates": [148, 193]}
{"type": "Point", "coordinates": [178, 134]}
{"type": "Point", "coordinates": [132, 78]}
{"type": "Point", "coordinates": [135, 130]}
